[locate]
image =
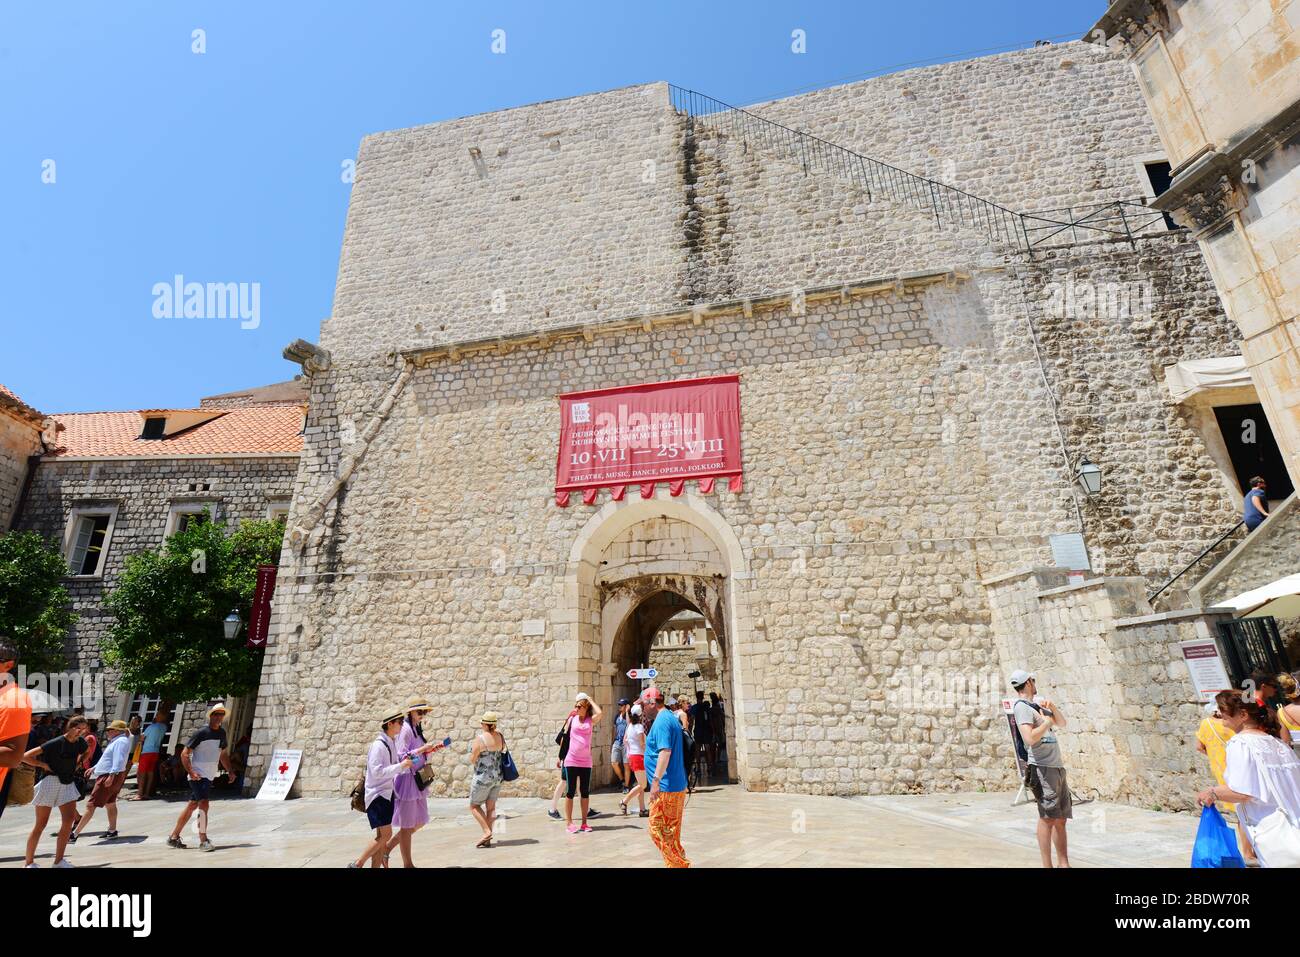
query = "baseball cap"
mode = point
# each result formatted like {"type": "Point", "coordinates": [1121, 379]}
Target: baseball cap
{"type": "Point", "coordinates": [1019, 677]}
{"type": "Point", "coordinates": [623, 701]}
{"type": "Point", "coordinates": [652, 694]}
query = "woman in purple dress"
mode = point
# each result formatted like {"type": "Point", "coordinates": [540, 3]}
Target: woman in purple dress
{"type": "Point", "coordinates": [410, 804]}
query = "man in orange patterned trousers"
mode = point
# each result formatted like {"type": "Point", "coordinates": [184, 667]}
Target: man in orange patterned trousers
{"type": "Point", "coordinates": [666, 827]}
{"type": "Point", "coordinates": [665, 767]}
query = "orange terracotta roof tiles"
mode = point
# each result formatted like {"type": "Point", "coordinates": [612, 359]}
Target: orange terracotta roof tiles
{"type": "Point", "coordinates": [256, 430]}
{"type": "Point", "coordinates": [10, 401]}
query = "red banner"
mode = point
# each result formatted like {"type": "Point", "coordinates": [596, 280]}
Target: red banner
{"type": "Point", "coordinates": [636, 436]}
{"type": "Point", "coordinates": [259, 619]}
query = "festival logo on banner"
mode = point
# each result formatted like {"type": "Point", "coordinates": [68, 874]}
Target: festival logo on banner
{"type": "Point", "coordinates": [645, 434]}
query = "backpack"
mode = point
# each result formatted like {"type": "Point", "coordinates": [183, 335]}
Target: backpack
{"type": "Point", "coordinates": [1021, 751]}
{"type": "Point", "coordinates": [688, 749]}
{"type": "Point", "coordinates": [357, 799]}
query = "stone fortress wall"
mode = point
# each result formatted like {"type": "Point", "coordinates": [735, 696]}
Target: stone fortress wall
{"type": "Point", "coordinates": [900, 441]}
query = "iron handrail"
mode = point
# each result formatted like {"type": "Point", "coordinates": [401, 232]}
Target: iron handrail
{"type": "Point", "coordinates": [1188, 567]}
{"type": "Point", "coordinates": [949, 205]}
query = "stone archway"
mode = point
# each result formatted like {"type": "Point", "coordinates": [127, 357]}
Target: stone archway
{"type": "Point", "coordinates": [633, 612]}
{"type": "Point", "coordinates": [629, 551]}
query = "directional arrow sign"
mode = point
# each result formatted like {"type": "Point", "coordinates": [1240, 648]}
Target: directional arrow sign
{"type": "Point", "coordinates": [640, 674]}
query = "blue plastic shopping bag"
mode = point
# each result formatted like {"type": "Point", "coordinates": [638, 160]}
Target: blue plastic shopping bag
{"type": "Point", "coordinates": [1216, 845]}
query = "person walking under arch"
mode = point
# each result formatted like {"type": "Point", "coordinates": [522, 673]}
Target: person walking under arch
{"type": "Point", "coordinates": [485, 785]}
{"type": "Point", "coordinates": [665, 765]}
{"type": "Point", "coordinates": [577, 763]}
{"type": "Point", "coordinates": [617, 751]}
{"type": "Point", "coordinates": [634, 737]}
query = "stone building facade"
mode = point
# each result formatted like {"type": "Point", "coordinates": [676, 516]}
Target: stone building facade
{"type": "Point", "coordinates": [20, 440]}
{"type": "Point", "coordinates": [915, 402]}
{"type": "Point", "coordinates": [102, 492]}
{"type": "Point", "coordinates": [1222, 80]}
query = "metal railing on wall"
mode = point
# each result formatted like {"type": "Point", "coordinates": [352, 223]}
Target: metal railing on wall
{"type": "Point", "coordinates": [1198, 559]}
{"type": "Point", "coordinates": [949, 205]}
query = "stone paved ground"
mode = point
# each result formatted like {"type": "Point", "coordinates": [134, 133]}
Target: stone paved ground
{"type": "Point", "coordinates": [724, 826]}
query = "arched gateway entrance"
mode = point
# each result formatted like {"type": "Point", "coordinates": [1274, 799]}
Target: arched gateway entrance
{"type": "Point", "coordinates": [634, 566]}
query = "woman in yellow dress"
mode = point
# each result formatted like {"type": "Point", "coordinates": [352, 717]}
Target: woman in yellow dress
{"type": "Point", "coordinates": [1212, 739]}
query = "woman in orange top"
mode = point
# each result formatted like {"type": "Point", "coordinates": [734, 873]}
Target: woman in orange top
{"type": "Point", "coordinates": [1212, 739]}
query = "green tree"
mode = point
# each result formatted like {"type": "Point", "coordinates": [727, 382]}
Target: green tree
{"type": "Point", "coordinates": [168, 637]}
{"type": "Point", "coordinates": [34, 608]}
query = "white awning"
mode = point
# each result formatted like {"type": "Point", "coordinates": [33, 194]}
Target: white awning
{"type": "Point", "coordinates": [1281, 599]}
{"type": "Point", "coordinates": [1194, 376]}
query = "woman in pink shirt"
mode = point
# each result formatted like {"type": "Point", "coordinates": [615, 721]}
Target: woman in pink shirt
{"type": "Point", "coordinates": [577, 763]}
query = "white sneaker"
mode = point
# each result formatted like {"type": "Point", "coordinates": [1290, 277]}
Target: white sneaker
{"type": "Point", "coordinates": [206, 846]}
{"type": "Point", "coordinates": [63, 863]}
{"type": "Point", "coordinates": [28, 867]}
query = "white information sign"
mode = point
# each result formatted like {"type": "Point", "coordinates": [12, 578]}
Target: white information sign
{"type": "Point", "coordinates": [280, 775]}
{"type": "Point", "coordinates": [1206, 667]}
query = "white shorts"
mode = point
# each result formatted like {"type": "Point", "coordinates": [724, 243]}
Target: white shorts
{"type": "Point", "coordinates": [51, 792]}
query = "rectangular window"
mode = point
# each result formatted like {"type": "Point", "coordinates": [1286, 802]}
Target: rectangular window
{"type": "Point", "coordinates": [182, 517]}
{"type": "Point", "coordinates": [144, 707]}
{"type": "Point", "coordinates": [187, 519]}
{"type": "Point", "coordinates": [88, 544]}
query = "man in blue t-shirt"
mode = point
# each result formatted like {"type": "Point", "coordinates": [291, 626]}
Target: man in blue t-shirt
{"type": "Point", "coordinates": [1255, 509]}
{"type": "Point", "coordinates": [665, 769]}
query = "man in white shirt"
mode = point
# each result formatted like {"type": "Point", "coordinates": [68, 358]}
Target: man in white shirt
{"type": "Point", "coordinates": [109, 774]}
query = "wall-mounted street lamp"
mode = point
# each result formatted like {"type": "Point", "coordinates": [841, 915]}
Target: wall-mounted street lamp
{"type": "Point", "coordinates": [232, 623]}
{"type": "Point", "coordinates": [1088, 478]}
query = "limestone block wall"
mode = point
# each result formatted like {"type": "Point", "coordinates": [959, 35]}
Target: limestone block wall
{"type": "Point", "coordinates": [19, 440]}
{"type": "Point", "coordinates": [1224, 66]}
{"type": "Point", "coordinates": [1256, 266]}
{"type": "Point", "coordinates": [546, 215]}
{"type": "Point", "coordinates": [1034, 129]}
{"type": "Point", "coordinates": [607, 205]}
{"type": "Point", "coordinates": [675, 665]}
{"type": "Point", "coordinates": [1110, 319]}
{"type": "Point", "coordinates": [143, 491]}
{"type": "Point", "coordinates": [898, 448]}
{"type": "Point", "coordinates": [1117, 672]}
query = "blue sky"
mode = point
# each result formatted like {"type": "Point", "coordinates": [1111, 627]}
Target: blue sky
{"type": "Point", "coordinates": [225, 166]}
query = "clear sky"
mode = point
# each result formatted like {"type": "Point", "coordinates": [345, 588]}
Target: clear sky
{"type": "Point", "coordinates": [225, 165]}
